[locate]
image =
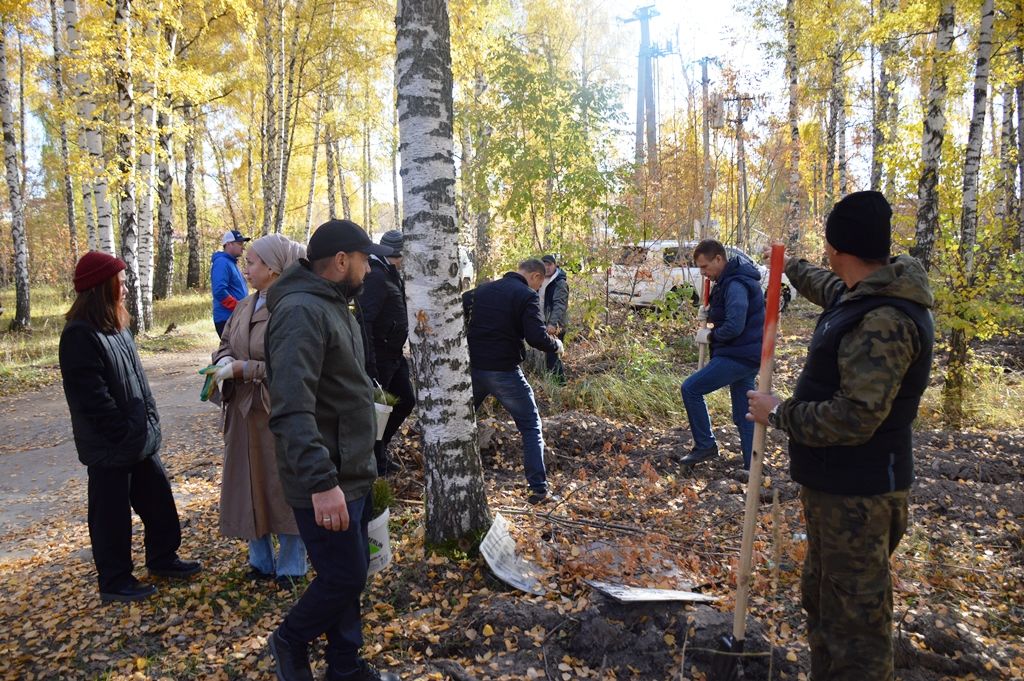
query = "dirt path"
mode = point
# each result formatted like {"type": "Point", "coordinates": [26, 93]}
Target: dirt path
{"type": "Point", "coordinates": [39, 470]}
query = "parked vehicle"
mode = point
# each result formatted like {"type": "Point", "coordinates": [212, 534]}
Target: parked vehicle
{"type": "Point", "coordinates": [655, 273]}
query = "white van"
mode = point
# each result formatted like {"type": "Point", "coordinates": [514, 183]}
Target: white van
{"type": "Point", "coordinates": [643, 274]}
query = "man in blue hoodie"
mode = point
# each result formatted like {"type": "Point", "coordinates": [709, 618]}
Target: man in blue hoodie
{"type": "Point", "coordinates": [736, 309]}
{"type": "Point", "coordinates": [226, 280]}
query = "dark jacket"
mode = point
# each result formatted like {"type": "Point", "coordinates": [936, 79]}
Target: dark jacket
{"type": "Point", "coordinates": [850, 418]}
{"type": "Point", "coordinates": [226, 284]}
{"type": "Point", "coordinates": [382, 314]}
{"type": "Point", "coordinates": [500, 315]}
{"type": "Point", "coordinates": [321, 400]}
{"type": "Point", "coordinates": [556, 300]}
{"type": "Point", "coordinates": [736, 308]}
{"type": "Point", "coordinates": [113, 414]}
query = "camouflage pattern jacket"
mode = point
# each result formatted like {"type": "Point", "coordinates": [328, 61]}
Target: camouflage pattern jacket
{"type": "Point", "coordinates": [868, 402]}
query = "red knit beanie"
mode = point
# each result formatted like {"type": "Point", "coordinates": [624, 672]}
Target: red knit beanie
{"type": "Point", "coordinates": [94, 268]}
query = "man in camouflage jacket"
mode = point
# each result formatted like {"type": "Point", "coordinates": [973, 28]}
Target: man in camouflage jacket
{"type": "Point", "coordinates": [849, 427]}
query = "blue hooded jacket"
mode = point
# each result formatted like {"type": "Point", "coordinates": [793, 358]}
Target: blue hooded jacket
{"type": "Point", "coordinates": [227, 285]}
{"type": "Point", "coordinates": [736, 308]}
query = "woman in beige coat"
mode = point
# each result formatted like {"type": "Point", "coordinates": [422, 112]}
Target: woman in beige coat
{"type": "Point", "coordinates": [252, 504]}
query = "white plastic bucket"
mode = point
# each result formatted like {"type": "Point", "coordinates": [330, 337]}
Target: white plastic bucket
{"type": "Point", "coordinates": [380, 542]}
{"type": "Point", "coordinates": [383, 413]}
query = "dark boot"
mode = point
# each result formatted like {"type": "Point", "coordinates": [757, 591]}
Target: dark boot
{"type": "Point", "coordinates": [178, 569]}
{"type": "Point", "coordinates": [365, 672]}
{"type": "Point", "coordinates": [131, 591]}
{"type": "Point", "coordinates": [699, 454]}
{"type": "Point", "coordinates": [292, 662]}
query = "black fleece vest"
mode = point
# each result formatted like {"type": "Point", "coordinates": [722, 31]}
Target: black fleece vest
{"type": "Point", "coordinates": [885, 463]}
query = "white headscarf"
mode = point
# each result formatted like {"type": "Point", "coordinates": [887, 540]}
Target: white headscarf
{"type": "Point", "coordinates": [277, 252]}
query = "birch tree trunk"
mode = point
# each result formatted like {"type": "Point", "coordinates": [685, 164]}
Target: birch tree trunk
{"type": "Point", "coordinates": [126, 163]}
{"type": "Point", "coordinates": [22, 113]}
{"type": "Point", "coordinates": [65, 153]}
{"type": "Point", "coordinates": [882, 123]}
{"type": "Point", "coordinates": [830, 129]}
{"type": "Point", "coordinates": [104, 240]}
{"type": "Point", "coordinates": [22, 315]}
{"type": "Point", "coordinates": [332, 212]}
{"type": "Point", "coordinates": [931, 140]}
{"type": "Point", "coordinates": [146, 176]}
{"type": "Point", "coordinates": [1006, 209]}
{"type": "Point", "coordinates": [841, 158]}
{"type": "Point", "coordinates": [456, 502]}
{"type": "Point", "coordinates": [956, 372]}
{"type": "Point", "coordinates": [270, 115]}
{"type": "Point", "coordinates": [191, 218]}
{"type": "Point", "coordinates": [346, 205]}
{"type": "Point", "coordinates": [1018, 241]}
{"type": "Point", "coordinates": [312, 168]}
{"type": "Point", "coordinates": [792, 72]}
{"type": "Point", "coordinates": [164, 283]}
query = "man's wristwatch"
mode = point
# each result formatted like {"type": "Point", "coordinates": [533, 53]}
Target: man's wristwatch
{"type": "Point", "coordinates": [773, 416]}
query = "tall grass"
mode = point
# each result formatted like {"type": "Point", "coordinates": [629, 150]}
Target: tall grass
{"type": "Point", "coordinates": [29, 359]}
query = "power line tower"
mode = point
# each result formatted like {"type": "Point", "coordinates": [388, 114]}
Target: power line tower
{"type": "Point", "coordinates": [646, 116]}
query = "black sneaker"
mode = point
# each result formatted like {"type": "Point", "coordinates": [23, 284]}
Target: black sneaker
{"type": "Point", "coordinates": [178, 569]}
{"type": "Point", "coordinates": [132, 591]}
{"type": "Point", "coordinates": [699, 454]}
{"type": "Point", "coordinates": [365, 672]}
{"type": "Point", "coordinates": [254, 575]}
{"type": "Point", "coordinates": [291, 662]}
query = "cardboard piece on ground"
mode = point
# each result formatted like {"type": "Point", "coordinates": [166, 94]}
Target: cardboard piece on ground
{"type": "Point", "coordinates": [634, 594]}
{"type": "Point", "coordinates": [499, 550]}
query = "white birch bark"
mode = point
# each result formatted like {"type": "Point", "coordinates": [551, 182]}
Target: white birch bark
{"type": "Point", "coordinates": [346, 204]}
{"type": "Point", "coordinates": [456, 503]}
{"type": "Point", "coordinates": [312, 163]}
{"type": "Point", "coordinates": [65, 152]}
{"type": "Point", "coordinates": [830, 129]}
{"type": "Point", "coordinates": [126, 164]}
{"type": "Point", "coordinates": [792, 73]}
{"type": "Point", "coordinates": [163, 285]}
{"type": "Point", "coordinates": [22, 313]}
{"type": "Point", "coordinates": [1018, 242]}
{"type": "Point", "coordinates": [972, 157]}
{"type": "Point", "coordinates": [841, 158]}
{"type": "Point", "coordinates": [270, 116]}
{"type": "Point", "coordinates": [192, 275]}
{"type": "Point", "coordinates": [931, 140]}
{"type": "Point", "coordinates": [329, 152]}
{"type": "Point", "coordinates": [145, 198]}
{"type": "Point", "coordinates": [104, 239]}
{"type": "Point", "coordinates": [1005, 209]}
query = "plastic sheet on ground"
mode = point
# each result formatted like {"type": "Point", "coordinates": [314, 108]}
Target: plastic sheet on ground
{"type": "Point", "coordinates": [499, 550]}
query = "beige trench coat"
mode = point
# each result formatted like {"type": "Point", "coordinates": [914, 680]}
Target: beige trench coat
{"type": "Point", "coordinates": [251, 499]}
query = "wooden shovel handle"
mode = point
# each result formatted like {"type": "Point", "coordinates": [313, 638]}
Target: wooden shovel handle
{"type": "Point", "coordinates": [764, 384]}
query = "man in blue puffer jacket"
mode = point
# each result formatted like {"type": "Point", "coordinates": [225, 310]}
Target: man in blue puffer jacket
{"type": "Point", "coordinates": [736, 309]}
{"type": "Point", "coordinates": [226, 282]}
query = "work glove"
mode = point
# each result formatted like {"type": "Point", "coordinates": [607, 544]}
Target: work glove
{"type": "Point", "coordinates": [703, 336]}
{"type": "Point", "coordinates": [702, 313]}
{"type": "Point", "coordinates": [561, 347]}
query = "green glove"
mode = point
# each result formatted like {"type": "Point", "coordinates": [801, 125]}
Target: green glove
{"type": "Point", "coordinates": [210, 373]}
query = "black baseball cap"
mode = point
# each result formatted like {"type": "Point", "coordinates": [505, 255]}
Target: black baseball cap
{"type": "Point", "coordinates": [337, 236]}
{"type": "Point", "coordinates": [549, 258]}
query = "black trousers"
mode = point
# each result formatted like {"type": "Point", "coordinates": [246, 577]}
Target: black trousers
{"type": "Point", "coordinates": [554, 363]}
{"type": "Point", "coordinates": [331, 604]}
{"type": "Point", "coordinates": [394, 378]}
{"type": "Point", "coordinates": [113, 494]}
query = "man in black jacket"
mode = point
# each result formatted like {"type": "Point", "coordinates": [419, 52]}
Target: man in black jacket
{"type": "Point", "coordinates": [323, 420]}
{"type": "Point", "coordinates": [501, 314]}
{"type": "Point", "coordinates": [385, 325]}
{"type": "Point", "coordinates": [554, 294]}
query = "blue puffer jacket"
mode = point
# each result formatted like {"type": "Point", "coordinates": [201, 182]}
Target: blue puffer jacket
{"type": "Point", "coordinates": [227, 285]}
{"type": "Point", "coordinates": [736, 308]}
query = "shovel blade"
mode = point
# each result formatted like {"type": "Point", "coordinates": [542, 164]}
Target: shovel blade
{"type": "Point", "coordinates": [727, 667]}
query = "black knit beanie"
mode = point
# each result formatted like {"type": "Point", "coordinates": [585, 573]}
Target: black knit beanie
{"type": "Point", "coordinates": [860, 225]}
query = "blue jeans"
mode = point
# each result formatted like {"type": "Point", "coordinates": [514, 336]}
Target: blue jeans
{"type": "Point", "coordinates": [720, 372]}
{"type": "Point", "coordinates": [515, 394]}
{"type": "Point", "coordinates": [331, 603]}
{"type": "Point", "coordinates": [291, 555]}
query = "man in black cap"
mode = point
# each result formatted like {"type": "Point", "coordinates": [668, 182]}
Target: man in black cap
{"type": "Point", "coordinates": [385, 324]}
{"type": "Point", "coordinates": [554, 294]}
{"type": "Point", "coordinates": [324, 422]}
{"type": "Point", "coordinates": [849, 424]}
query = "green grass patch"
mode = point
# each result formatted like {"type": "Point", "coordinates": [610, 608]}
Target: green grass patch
{"type": "Point", "coordinates": [29, 360]}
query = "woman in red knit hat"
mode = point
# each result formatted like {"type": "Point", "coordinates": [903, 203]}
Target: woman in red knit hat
{"type": "Point", "coordinates": [117, 434]}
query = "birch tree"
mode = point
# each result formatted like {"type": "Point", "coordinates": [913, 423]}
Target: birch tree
{"type": "Point", "coordinates": [87, 114]}
{"type": "Point", "coordinates": [191, 215]}
{"type": "Point", "coordinates": [456, 503]}
{"type": "Point", "coordinates": [931, 141]}
{"type": "Point", "coordinates": [65, 153]}
{"type": "Point", "coordinates": [953, 390]}
{"type": "Point", "coordinates": [792, 72]}
{"type": "Point", "coordinates": [163, 285]}
{"type": "Point", "coordinates": [22, 316]}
